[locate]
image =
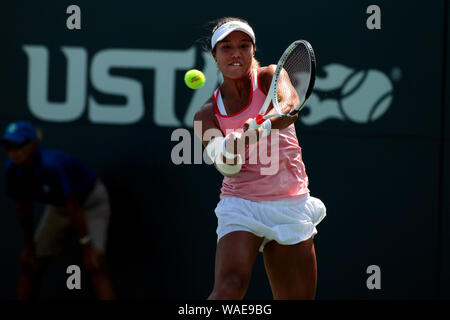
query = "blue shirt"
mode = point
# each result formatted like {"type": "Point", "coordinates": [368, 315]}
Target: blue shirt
{"type": "Point", "coordinates": [53, 178]}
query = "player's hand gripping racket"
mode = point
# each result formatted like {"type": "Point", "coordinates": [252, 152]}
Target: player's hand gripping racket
{"type": "Point", "coordinates": [299, 63]}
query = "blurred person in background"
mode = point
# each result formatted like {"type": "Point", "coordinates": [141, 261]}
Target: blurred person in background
{"type": "Point", "coordinates": [75, 200]}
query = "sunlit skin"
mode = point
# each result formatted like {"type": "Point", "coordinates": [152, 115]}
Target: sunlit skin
{"type": "Point", "coordinates": [234, 56]}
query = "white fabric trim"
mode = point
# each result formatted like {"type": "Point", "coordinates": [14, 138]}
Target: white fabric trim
{"type": "Point", "coordinates": [220, 105]}
{"type": "Point", "coordinates": [228, 169]}
{"type": "Point", "coordinates": [287, 221]}
{"type": "Point", "coordinates": [255, 79]}
{"type": "Point", "coordinates": [218, 96]}
{"type": "Point", "coordinates": [214, 148]}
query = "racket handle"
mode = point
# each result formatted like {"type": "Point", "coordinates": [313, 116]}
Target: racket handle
{"type": "Point", "coordinates": [259, 119]}
{"type": "Point", "coordinates": [254, 125]}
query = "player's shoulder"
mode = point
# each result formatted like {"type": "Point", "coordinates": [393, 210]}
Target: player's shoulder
{"type": "Point", "coordinates": [265, 75]}
{"type": "Point", "coordinates": [206, 116]}
{"type": "Point", "coordinates": [269, 68]}
{"type": "Point", "coordinates": [205, 111]}
{"type": "Point", "coordinates": [267, 71]}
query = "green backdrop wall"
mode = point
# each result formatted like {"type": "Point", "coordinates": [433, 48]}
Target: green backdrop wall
{"type": "Point", "coordinates": [375, 138]}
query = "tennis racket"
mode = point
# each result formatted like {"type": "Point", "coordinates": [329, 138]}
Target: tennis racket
{"type": "Point", "coordinates": [298, 63]}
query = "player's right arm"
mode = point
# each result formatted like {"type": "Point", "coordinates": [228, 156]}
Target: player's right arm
{"type": "Point", "coordinates": [207, 129]}
{"type": "Point", "coordinates": [287, 101]}
{"type": "Point", "coordinates": [205, 120]}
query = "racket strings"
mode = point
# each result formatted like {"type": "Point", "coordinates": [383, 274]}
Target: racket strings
{"type": "Point", "coordinates": [298, 68]}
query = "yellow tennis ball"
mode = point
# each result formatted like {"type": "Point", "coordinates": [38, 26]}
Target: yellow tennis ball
{"type": "Point", "coordinates": [194, 79]}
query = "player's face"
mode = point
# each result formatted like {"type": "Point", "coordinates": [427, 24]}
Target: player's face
{"type": "Point", "coordinates": [20, 153]}
{"type": "Point", "coordinates": [234, 55]}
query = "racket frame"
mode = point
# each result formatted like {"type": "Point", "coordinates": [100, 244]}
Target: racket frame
{"type": "Point", "coordinates": [272, 95]}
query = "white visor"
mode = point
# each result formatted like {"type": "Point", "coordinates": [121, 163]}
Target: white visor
{"type": "Point", "coordinates": [229, 27]}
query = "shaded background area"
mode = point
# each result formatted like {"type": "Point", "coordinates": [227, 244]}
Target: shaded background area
{"type": "Point", "coordinates": [380, 164]}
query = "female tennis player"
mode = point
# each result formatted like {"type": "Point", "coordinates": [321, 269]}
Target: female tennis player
{"type": "Point", "coordinates": [272, 213]}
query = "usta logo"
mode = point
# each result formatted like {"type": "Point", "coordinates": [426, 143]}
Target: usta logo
{"type": "Point", "coordinates": [344, 94]}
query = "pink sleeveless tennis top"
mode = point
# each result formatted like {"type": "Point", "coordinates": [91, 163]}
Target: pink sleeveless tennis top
{"type": "Point", "coordinates": [284, 172]}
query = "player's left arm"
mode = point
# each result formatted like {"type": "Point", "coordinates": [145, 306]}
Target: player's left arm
{"type": "Point", "coordinates": [287, 95]}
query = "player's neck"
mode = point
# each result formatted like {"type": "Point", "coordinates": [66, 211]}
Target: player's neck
{"type": "Point", "coordinates": [233, 88]}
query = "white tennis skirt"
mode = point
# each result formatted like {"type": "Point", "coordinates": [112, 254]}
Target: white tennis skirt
{"type": "Point", "coordinates": [287, 221]}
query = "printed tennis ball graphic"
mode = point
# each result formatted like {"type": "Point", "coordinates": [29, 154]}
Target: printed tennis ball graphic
{"type": "Point", "coordinates": [365, 96]}
{"type": "Point", "coordinates": [347, 94]}
{"type": "Point", "coordinates": [194, 79]}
